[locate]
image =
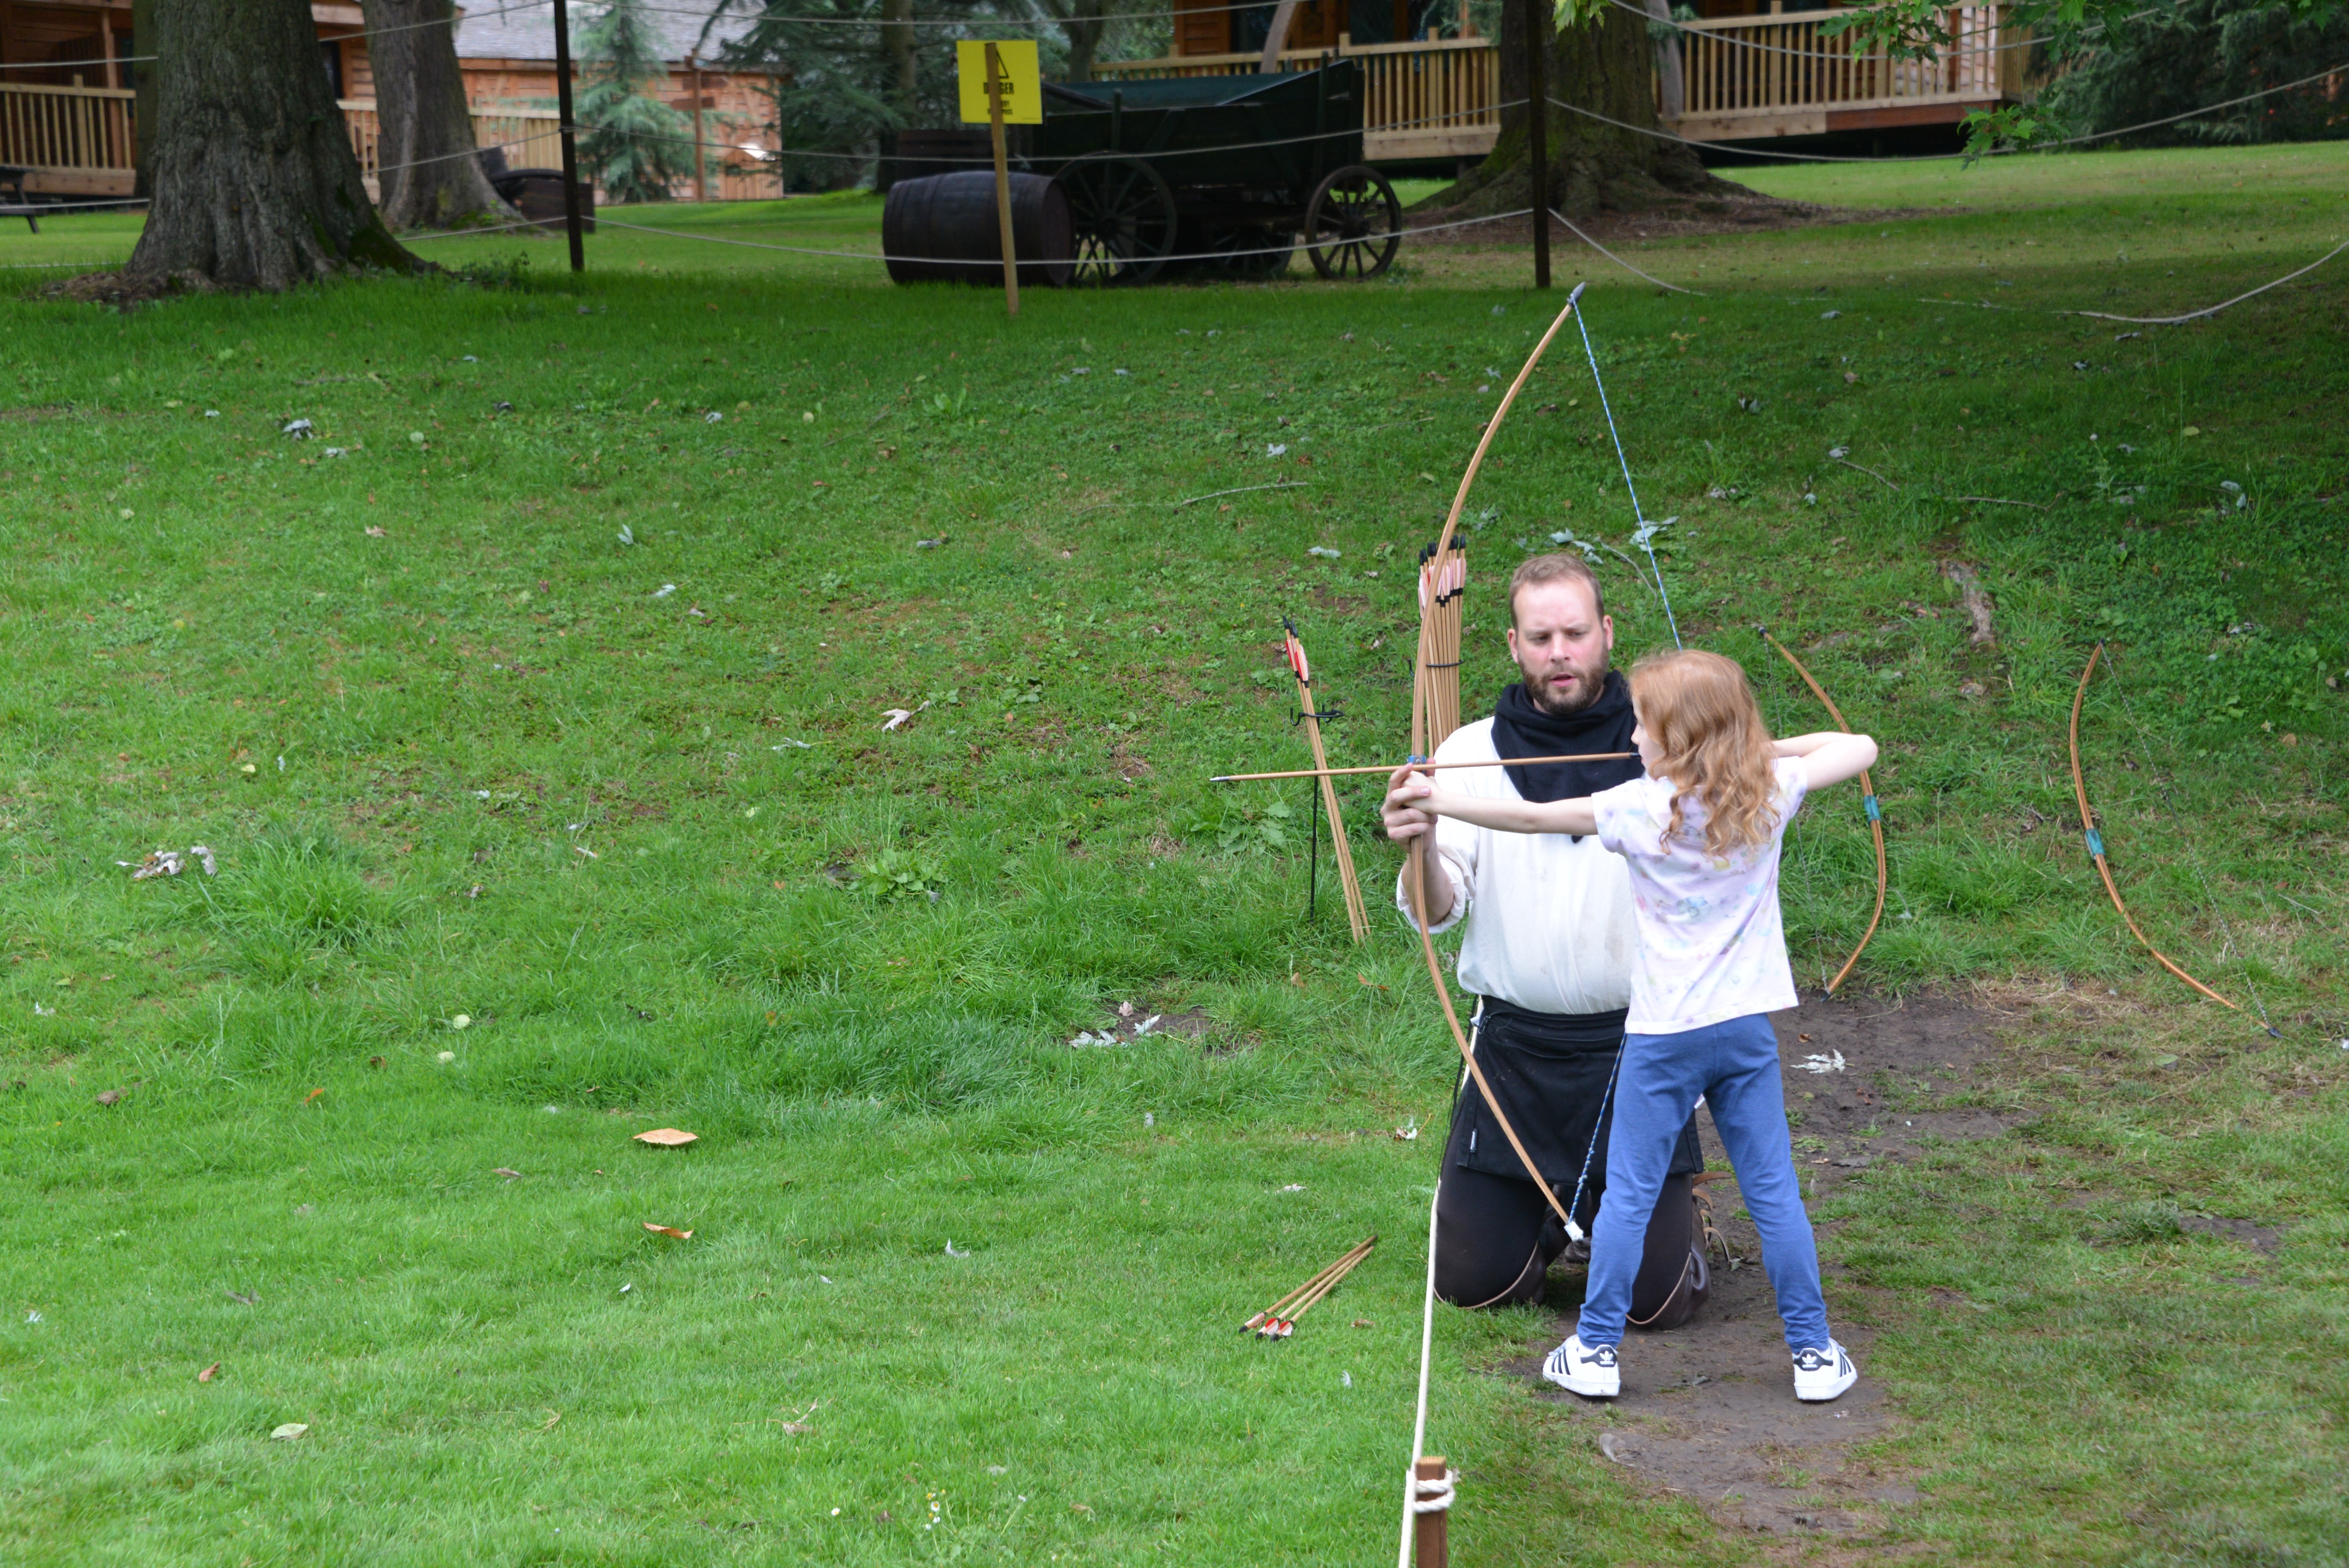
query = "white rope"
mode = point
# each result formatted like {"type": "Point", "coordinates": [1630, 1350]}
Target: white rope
{"type": "Point", "coordinates": [577, 129]}
{"type": "Point", "coordinates": [1619, 261]}
{"type": "Point", "coordinates": [1944, 157]}
{"type": "Point", "coordinates": [1191, 256]}
{"type": "Point", "coordinates": [485, 229]}
{"type": "Point", "coordinates": [1431, 1496]}
{"type": "Point", "coordinates": [2213, 310]}
{"type": "Point", "coordinates": [1411, 1488]}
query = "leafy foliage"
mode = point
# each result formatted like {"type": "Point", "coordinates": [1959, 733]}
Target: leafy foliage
{"type": "Point", "coordinates": [637, 146]}
{"type": "Point", "coordinates": [897, 873]}
{"type": "Point", "coordinates": [2195, 53]}
{"type": "Point", "coordinates": [2206, 52]}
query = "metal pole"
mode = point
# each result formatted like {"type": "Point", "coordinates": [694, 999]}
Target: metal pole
{"type": "Point", "coordinates": [1313, 864]}
{"type": "Point", "coordinates": [1539, 30]}
{"type": "Point", "coordinates": [701, 137]}
{"type": "Point", "coordinates": [1002, 182]}
{"type": "Point", "coordinates": [570, 141]}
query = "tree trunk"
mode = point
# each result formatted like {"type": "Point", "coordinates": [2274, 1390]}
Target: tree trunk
{"type": "Point", "coordinates": [1604, 66]}
{"type": "Point", "coordinates": [255, 185]}
{"type": "Point", "coordinates": [905, 81]}
{"type": "Point", "coordinates": [1084, 39]}
{"type": "Point", "coordinates": [426, 164]}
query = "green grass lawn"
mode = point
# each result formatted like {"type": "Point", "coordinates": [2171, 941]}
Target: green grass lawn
{"type": "Point", "coordinates": [545, 690]}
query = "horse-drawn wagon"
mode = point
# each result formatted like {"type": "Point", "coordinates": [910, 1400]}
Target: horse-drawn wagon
{"type": "Point", "coordinates": [1203, 175]}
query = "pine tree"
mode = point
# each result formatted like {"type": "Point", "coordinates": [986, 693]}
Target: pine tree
{"type": "Point", "coordinates": [636, 146]}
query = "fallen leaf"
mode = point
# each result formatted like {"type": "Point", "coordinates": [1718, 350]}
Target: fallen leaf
{"type": "Point", "coordinates": [110, 1096]}
{"type": "Point", "coordinates": [290, 1430]}
{"type": "Point", "coordinates": [509, 1175]}
{"type": "Point", "coordinates": [375, 533]}
{"type": "Point", "coordinates": [313, 1097]}
{"type": "Point", "coordinates": [667, 1138]}
{"type": "Point", "coordinates": [375, 1061]}
{"type": "Point", "coordinates": [670, 1231]}
{"type": "Point", "coordinates": [1364, 1322]}
{"type": "Point", "coordinates": [209, 1373]}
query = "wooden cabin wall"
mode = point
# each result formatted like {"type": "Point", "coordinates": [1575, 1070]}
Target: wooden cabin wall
{"type": "Point", "coordinates": [37, 33]}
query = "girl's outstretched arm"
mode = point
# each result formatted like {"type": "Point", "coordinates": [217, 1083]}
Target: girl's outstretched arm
{"type": "Point", "coordinates": [1833, 756]}
{"type": "Point", "coordinates": [1575, 816]}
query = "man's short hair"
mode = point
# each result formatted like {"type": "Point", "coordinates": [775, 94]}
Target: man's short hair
{"type": "Point", "coordinates": [1540, 570]}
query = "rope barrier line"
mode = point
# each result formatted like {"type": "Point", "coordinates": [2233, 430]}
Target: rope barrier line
{"type": "Point", "coordinates": [1945, 157]}
{"type": "Point", "coordinates": [1619, 261]}
{"type": "Point", "coordinates": [989, 22]}
{"type": "Point", "coordinates": [1679, 26]}
{"type": "Point", "coordinates": [1190, 256]}
{"type": "Point", "coordinates": [2211, 310]}
{"type": "Point", "coordinates": [577, 130]}
{"type": "Point", "coordinates": [2145, 749]}
{"type": "Point", "coordinates": [1645, 536]}
{"type": "Point", "coordinates": [370, 33]}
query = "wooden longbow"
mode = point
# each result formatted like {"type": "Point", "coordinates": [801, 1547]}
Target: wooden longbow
{"type": "Point", "coordinates": [1358, 918]}
{"type": "Point", "coordinates": [2096, 844]}
{"type": "Point", "coordinates": [1867, 795]}
{"type": "Point", "coordinates": [1419, 718]}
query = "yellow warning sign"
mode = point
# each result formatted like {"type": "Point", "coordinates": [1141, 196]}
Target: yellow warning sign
{"type": "Point", "coordinates": [1017, 70]}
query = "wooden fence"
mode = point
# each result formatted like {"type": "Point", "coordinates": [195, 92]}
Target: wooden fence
{"type": "Point", "coordinates": [77, 140]}
{"type": "Point", "coordinates": [1778, 75]}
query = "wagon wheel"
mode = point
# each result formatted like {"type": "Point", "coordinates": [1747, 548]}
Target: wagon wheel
{"type": "Point", "coordinates": [1254, 253]}
{"type": "Point", "coordinates": [1122, 215]}
{"type": "Point", "coordinates": [1353, 225]}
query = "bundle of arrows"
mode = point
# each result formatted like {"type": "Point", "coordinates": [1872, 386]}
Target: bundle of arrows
{"type": "Point", "coordinates": [1278, 1321]}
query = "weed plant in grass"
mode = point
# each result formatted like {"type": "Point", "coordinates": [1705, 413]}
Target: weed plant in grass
{"type": "Point", "coordinates": [537, 710]}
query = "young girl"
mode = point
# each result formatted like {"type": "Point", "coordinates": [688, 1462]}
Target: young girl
{"type": "Point", "coordinates": [1702, 833]}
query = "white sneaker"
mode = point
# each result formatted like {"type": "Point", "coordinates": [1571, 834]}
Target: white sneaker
{"type": "Point", "coordinates": [1822, 1373]}
{"type": "Point", "coordinates": [1579, 1369]}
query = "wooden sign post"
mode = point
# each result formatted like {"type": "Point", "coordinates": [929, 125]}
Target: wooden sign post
{"type": "Point", "coordinates": [1002, 84]}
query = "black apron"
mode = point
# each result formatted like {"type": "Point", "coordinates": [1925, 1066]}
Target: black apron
{"type": "Point", "coordinates": [1550, 1072]}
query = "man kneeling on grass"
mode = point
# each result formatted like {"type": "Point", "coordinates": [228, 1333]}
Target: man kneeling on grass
{"type": "Point", "coordinates": [1548, 949]}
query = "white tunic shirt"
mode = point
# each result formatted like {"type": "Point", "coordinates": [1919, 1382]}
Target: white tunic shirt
{"type": "Point", "coordinates": [1550, 924]}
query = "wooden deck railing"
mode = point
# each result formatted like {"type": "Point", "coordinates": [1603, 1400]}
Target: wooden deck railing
{"type": "Point", "coordinates": [1774, 75]}
{"type": "Point", "coordinates": [1778, 75]}
{"type": "Point", "coordinates": [528, 135]}
{"type": "Point", "coordinates": [75, 140]}
{"type": "Point", "coordinates": [1434, 99]}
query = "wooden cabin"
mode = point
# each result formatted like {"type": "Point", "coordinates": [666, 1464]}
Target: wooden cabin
{"type": "Point", "coordinates": [65, 97]}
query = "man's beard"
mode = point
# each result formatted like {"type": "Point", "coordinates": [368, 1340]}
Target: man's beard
{"type": "Point", "coordinates": [1581, 695]}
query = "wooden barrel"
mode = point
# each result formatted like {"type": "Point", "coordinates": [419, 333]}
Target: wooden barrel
{"type": "Point", "coordinates": [942, 228]}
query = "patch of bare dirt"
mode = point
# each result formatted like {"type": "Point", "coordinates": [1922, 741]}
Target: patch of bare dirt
{"type": "Point", "coordinates": [123, 289]}
{"type": "Point", "coordinates": [1708, 1411]}
{"type": "Point", "coordinates": [1130, 1021]}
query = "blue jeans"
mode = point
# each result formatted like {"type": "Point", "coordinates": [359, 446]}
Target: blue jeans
{"type": "Point", "coordinates": [1735, 1066]}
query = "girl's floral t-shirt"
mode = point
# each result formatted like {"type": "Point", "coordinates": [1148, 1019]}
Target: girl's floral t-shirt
{"type": "Point", "coordinates": [1713, 946]}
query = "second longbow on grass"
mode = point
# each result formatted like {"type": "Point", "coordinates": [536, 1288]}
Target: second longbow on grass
{"type": "Point", "coordinates": [2096, 846]}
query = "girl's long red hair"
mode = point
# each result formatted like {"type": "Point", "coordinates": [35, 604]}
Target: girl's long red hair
{"type": "Point", "coordinates": [1701, 715]}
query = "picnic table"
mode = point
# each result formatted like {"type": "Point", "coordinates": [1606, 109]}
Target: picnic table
{"type": "Point", "coordinates": [12, 177]}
